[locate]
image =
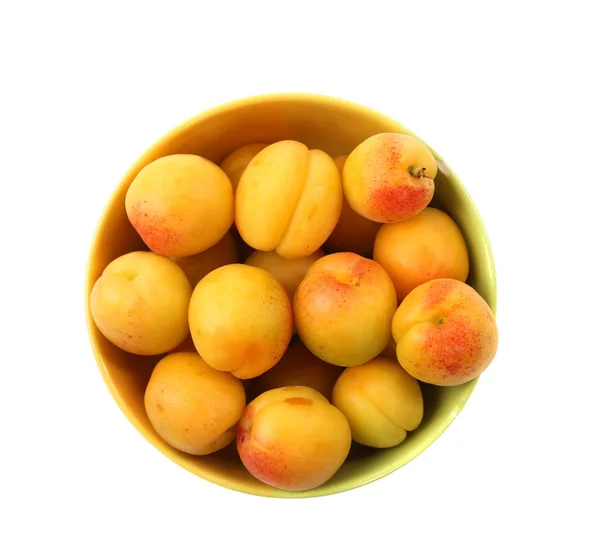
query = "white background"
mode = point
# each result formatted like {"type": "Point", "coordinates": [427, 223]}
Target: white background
{"type": "Point", "coordinates": [507, 93]}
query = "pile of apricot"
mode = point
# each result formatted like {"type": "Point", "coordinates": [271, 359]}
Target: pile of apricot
{"type": "Point", "coordinates": [352, 293]}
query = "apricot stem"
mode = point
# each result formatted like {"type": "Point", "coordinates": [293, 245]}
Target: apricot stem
{"type": "Point", "coordinates": [416, 171]}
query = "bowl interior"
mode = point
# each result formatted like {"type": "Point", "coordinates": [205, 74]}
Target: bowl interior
{"type": "Point", "coordinates": [335, 126]}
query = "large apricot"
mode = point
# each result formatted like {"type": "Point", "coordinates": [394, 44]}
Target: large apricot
{"type": "Point", "coordinates": [288, 199]}
{"type": "Point", "coordinates": [426, 247]}
{"type": "Point", "coordinates": [193, 407]}
{"type": "Point", "coordinates": [180, 205]}
{"type": "Point", "coordinates": [381, 401]}
{"type": "Point", "coordinates": [445, 333]}
{"type": "Point", "coordinates": [140, 303]}
{"type": "Point", "coordinates": [292, 438]}
{"type": "Point", "coordinates": [241, 320]}
{"type": "Point", "coordinates": [389, 177]}
{"type": "Point", "coordinates": [343, 309]}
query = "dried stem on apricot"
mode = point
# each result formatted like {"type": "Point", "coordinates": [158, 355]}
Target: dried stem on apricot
{"type": "Point", "coordinates": [417, 171]}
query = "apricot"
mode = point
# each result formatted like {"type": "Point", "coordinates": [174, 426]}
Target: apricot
{"type": "Point", "coordinates": [201, 264]}
{"type": "Point", "coordinates": [236, 162]}
{"type": "Point", "coordinates": [292, 438]}
{"type": "Point", "coordinates": [381, 402]}
{"type": "Point", "coordinates": [193, 407]}
{"type": "Point", "coordinates": [389, 177]}
{"type": "Point", "coordinates": [288, 272]}
{"type": "Point", "coordinates": [240, 319]}
{"type": "Point", "coordinates": [140, 303]}
{"type": "Point", "coordinates": [426, 247]}
{"type": "Point", "coordinates": [353, 233]}
{"type": "Point", "coordinates": [298, 367]}
{"type": "Point", "coordinates": [445, 333]}
{"type": "Point", "coordinates": [343, 309]}
{"type": "Point", "coordinates": [180, 205]}
{"type": "Point", "coordinates": [288, 200]}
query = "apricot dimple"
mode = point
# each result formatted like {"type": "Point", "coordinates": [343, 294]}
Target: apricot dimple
{"type": "Point", "coordinates": [299, 401]}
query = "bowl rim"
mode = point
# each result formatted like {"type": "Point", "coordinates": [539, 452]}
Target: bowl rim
{"type": "Point", "coordinates": [144, 158]}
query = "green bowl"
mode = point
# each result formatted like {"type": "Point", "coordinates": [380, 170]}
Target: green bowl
{"type": "Point", "coordinates": [335, 126]}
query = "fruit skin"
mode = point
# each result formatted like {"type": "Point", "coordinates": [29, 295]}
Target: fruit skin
{"type": "Point", "coordinates": [381, 402]}
{"type": "Point", "coordinates": [343, 309]}
{"type": "Point", "coordinates": [236, 162]}
{"type": "Point", "coordinates": [288, 199]}
{"type": "Point", "coordinates": [201, 264]}
{"type": "Point", "coordinates": [445, 333]}
{"type": "Point", "coordinates": [240, 319]}
{"type": "Point", "coordinates": [180, 205]}
{"type": "Point", "coordinates": [288, 272]}
{"type": "Point", "coordinates": [140, 303]}
{"type": "Point", "coordinates": [193, 407]}
{"type": "Point", "coordinates": [298, 367]}
{"type": "Point", "coordinates": [377, 182]}
{"type": "Point", "coordinates": [426, 247]}
{"type": "Point", "coordinates": [292, 438]}
{"type": "Point", "coordinates": [353, 232]}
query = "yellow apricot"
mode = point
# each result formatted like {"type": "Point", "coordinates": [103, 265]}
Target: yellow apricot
{"type": "Point", "coordinates": [140, 303]}
{"type": "Point", "coordinates": [292, 438]}
{"type": "Point", "coordinates": [288, 199]}
{"type": "Point", "coordinates": [381, 401]}
{"type": "Point", "coordinates": [241, 320]}
{"type": "Point", "coordinates": [389, 177]}
{"type": "Point", "coordinates": [180, 205]}
{"type": "Point", "coordinates": [193, 407]}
